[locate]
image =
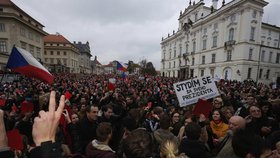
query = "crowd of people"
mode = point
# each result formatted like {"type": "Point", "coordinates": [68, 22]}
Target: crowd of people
{"type": "Point", "coordinates": [83, 116]}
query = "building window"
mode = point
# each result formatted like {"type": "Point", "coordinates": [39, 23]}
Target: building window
{"type": "Point", "coordinates": [254, 14]}
{"type": "Point", "coordinates": [212, 71]}
{"type": "Point", "coordinates": [203, 59]}
{"type": "Point", "coordinates": [215, 26]}
{"type": "Point", "coordinates": [277, 58]}
{"type": "Point", "coordinates": [46, 60]}
{"type": "Point", "coordinates": [262, 42]}
{"type": "Point", "coordinates": [270, 56]}
{"type": "Point", "coordinates": [195, 17]}
{"type": "Point", "coordinates": [231, 34]}
{"type": "Point", "coordinates": [204, 44]}
{"type": "Point", "coordinates": [22, 32]}
{"type": "Point", "coordinates": [58, 61]}
{"type": "Point", "coordinates": [249, 73]}
{"type": "Point", "coordinates": [205, 31]}
{"type": "Point", "coordinates": [268, 43]}
{"type": "Point", "coordinates": [194, 46]}
{"type": "Point", "coordinates": [3, 47]}
{"type": "Point", "coordinates": [174, 52]}
{"type": "Point", "coordinates": [229, 54]}
{"type": "Point", "coordinates": [23, 45]}
{"type": "Point", "coordinates": [45, 52]}
{"type": "Point", "coordinates": [187, 48]}
{"type": "Point", "coordinates": [38, 39]}
{"type": "Point", "coordinates": [232, 18]}
{"type": "Point", "coordinates": [215, 38]}
{"type": "Point", "coordinates": [65, 62]}
{"type": "Point", "coordinates": [51, 60]}
{"type": "Point", "coordinates": [250, 54]}
{"type": "Point", "coordinates": [38, 50]}
{"type": "Point", "coordinates": [263, 55]}
{"type": "Point", "coordinates": [174, 63]}
{"type": "Point", "coordinates": [261, 71]}
{"type": "Point", "coordinates": [58, 52]}
{"type": "Point", "coordinates": [51, 52]}
{"type": "Point", "coordinates": [64, 53]}
{"type": "Point", "coordinates": [191, 72]}
{"type": "Point", "coordinates": [31, 49]}
{"type": "Point", "coordinates": [213, 58]}
{"type": "Point", "coordinates": [192, 61]}
{"type": "Point", "coordinates": [267, 74]}
{"type": "Point", "coordinates": [201, 72]}
{"type": "Point", "coordinates": [252, 35]}
{"type": "Point", "coordinates": [2, 27]}
{"type": "Point", "coordinates": [30, 35]}
{"type": "Point", "coordinates": [169, 65]}
{"type": "Point", "coordinates": [170, 55]}
{"type": "Point", "coordinates": [180, 50]}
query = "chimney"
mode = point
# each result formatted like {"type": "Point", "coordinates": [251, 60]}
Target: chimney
{"type": "Point", "coordinates": [95, 57]}
{"type": "Point", "coordinates": [215, 4]}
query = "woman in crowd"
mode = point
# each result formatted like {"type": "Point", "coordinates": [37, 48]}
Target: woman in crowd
{"type": "Point", "coordinates": [218, 126]}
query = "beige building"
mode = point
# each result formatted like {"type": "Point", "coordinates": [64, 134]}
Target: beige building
{"type": "Point", "coordinates": [19, 29]}
{"type": "Point", "coordinates": [61, 55]}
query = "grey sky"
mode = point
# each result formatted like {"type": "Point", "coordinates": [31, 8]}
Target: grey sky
{"type": "Point", "coordinates": [118, 29]}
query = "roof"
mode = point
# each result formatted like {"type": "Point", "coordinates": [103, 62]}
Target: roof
{"type": "Point", "coordinates": [97, 62]}
{"type": "Point", "coordinates": [109, 65]}
{"type": "Point", "coordinates": [55, 39]}
{"type": "Point", "coordinates": [9, 3]}
{"type": "Point", "coordinates": [6, 3]}
{"type": "Point", "coordinates": [83, 48]}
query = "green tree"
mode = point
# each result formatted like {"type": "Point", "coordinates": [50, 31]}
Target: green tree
{"type": "Point", "coordinates": [130, 67]}
{"type": "Point", "coordinates": [147, 68]}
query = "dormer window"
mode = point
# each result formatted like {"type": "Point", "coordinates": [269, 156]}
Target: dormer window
{"type": "Point", "coordinates": [232, 18]}
{"type": "Point", "coordinates": [254, 14]}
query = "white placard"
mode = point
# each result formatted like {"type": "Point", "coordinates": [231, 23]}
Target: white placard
{"type": "Point", "coordinates": [189, 91]}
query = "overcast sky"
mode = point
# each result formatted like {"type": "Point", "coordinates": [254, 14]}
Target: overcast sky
{"type": "Point", "coordinates": [119, 29]}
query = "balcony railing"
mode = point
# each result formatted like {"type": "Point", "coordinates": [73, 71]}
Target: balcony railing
{"type": "Point", "coordinates": [229, 43]}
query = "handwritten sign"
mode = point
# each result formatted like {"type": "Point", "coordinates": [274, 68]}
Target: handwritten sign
{"type": "Point", "coordinates": [189, 91]}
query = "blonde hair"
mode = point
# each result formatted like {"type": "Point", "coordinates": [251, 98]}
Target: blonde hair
{"type": "Point", "coordinates": [169, 148]}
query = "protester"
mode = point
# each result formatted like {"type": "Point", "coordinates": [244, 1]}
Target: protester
{"type": "Point", "coordinates": [86, 128]}
{"type": "Point", "coordinates": [99, 148]}
{"type": "Point", "coordinates": [143, 100]}
{"type": "Point", "coordinates": [191, 145]}
{"type": "Point", "coordinates": [138, 144]}
{"type": "Point", "coordinates": [225, 149]}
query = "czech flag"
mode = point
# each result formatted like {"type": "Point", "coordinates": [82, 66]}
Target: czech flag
{"type": "Point", "coordinates": [121, 67]}
{"type": "Point", "coordinates": [24, 63]}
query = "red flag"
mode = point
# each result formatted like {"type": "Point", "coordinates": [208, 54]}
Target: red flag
{"type": "Point", "coordinates": [14, 107]}
{"type": "Point", "coordinates": [2, 102]}
{"type": "Point", "coordinates": [23, 62]}
{"type": "Point", "coordinates": [26, 106]}
{"type": "Point", "coordinates": [111, 84]}
{"type": "Point", "coordinates": [68, 95]}
{"type": "Point", "coordinates": [202, 107]}
{"type": "Point", "coordinates": [15, 140]}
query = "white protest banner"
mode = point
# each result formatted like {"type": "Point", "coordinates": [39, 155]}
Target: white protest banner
{"type": "Point", "coordinates": [189, 91]}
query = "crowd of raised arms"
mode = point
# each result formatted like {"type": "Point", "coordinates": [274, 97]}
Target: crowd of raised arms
{"type": "Point", "coordinates": [84, 116]}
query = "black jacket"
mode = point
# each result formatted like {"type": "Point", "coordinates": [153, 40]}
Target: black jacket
{"type": "Point", "coordinates": [194, 149]}
{"type": "Point", "coordinates": [86, 131]}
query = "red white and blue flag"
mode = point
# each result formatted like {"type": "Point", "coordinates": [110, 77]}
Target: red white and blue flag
{"type": "Point", "coordinates": [121, 66]}
{"type": "Point", "coordinates": [24, 63]}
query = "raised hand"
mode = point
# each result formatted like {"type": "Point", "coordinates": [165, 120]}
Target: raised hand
{"type": "Point", "coordinates": [44, 127]}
